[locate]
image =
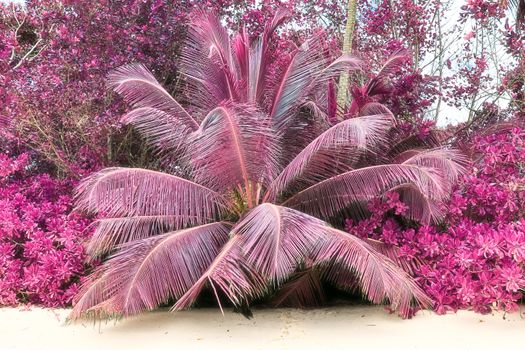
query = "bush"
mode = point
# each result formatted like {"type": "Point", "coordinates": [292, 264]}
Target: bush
{"type": "Point", "coordinates": [476, 260]}
{"type": "Point", "coordinates": [41, 251]}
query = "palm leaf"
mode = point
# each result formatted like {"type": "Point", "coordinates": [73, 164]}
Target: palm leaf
{"type": "Point", "coordinates": [234, 145]}
{"type": "Point", "coordinates": [140, 88]}
{"type": "Point", "coordinates": [375, 108]}
{"type": "Point", "coordinates": [214, 36]}
{"type": "Point", "coordinates": [208, 64]}
{"type": "Point", "coordinates": [303, 290]}
{"type": "Point", "coordinates": [420, 207]}
{"type": "Point", "coordinates": [163, 131]}
{"type": "Point", "coordinates": [127, 192]}
{"type": "Point", "coordinates": [518, 6]}
{"type": "Point", "coordinates": [318, 113]}
{"type": "Point", "coordinates": [112, 232]}
{"type": "Point", "coordinates": [343, 63]}
{"type": "Point", "coordinates": [260, 56]}
{"type": "Point", "coordinates": [351, 259]}
{"type": "Point", "coordinates": [241, 51]}
{"type": "Point", "coordinates": [378, 85]}
{"type": "Point", "coordinates": [91, 293]}
{"type": "Point", "coordinates": [434, 139]}
{"type": "Point", "coordinates": [450, 163]}
{"type": "Point", "coordinates": [149, 272]}
{"type": "Point", "coordinates": [333, 150]}
{"type": "Point", "coordinates": [275, 240]}
{"type": "Point", "coordinates": [432, 172]}
{"type": "Point", "coordinates": [230, 274]}
{"type": "Point", "coordinates": [303, 68]}
{"type": "Point", "coordinates": [309, 122]}
{"type": "Point", "coordinates": [393, 253]}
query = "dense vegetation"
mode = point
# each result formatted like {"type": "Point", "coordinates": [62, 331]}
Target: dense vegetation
{"type": "Point", "coordinates": [263, 129]}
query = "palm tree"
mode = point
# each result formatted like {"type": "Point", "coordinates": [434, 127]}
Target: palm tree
{"type": "Point", "coordinates": [254, 183]}
{"type": "Point", "coordinates": [365, 97]}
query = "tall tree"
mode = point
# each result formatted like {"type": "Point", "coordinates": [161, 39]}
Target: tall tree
{"type": "Point", "coordinates": [342, 91]}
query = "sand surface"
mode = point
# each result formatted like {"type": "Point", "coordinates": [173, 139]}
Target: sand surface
{"type": "Point", "coordinates": [344, 327]}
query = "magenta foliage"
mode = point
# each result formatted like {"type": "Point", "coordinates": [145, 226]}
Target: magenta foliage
{"type": "Point", "coordinates": [55, 55]}
{"type": "Point", "coordinates": [41, 251]}
{"type": "Point", "coordinates": [53, 66]}
{"type": "Point", "coordinates": [477, 261]}
{"type": "Point", "coordinates": [54, 58]}
{"type": "Point", "coordinates": [390, 26]}
{"type": "Point", "coordinates": [483, 10]}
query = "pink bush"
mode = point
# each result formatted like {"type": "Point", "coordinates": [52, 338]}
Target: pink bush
{"type": "Point", "coordinates": [41, 252]}
{"type": "Point", "coordinates": [477, 261]}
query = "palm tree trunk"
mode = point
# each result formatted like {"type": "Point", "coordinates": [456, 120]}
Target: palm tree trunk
{"type": "Point", "coordinates": [342, 90]}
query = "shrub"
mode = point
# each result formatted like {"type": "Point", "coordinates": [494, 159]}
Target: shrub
{"type": "Point", "coordinates": [477, 259]}
{"type": "Point", "coordinates": [41, 251]}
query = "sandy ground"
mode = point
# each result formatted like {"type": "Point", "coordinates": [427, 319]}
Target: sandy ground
{"type": "Point", "coordinates": [345, 327]}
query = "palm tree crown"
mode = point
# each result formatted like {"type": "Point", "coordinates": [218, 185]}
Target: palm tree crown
{"type": "Point", "coordinates": [254, 177]}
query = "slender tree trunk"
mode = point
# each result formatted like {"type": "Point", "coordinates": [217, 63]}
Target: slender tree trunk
{"type": "Point", "coordinates": [342, 91]}
{"type": "Point", "coordinates": [440, 64]}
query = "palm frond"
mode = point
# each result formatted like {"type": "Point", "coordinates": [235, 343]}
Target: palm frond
{"type": "Point", "coordinates": [306, 63]}
{"type": "Point", "coordinates": [163, 131]}
{"type": "Point", "coordinates": [234, 145]}
{"type": "Point", "coordinates": [334, 150]}
{"type": "Point", "coordinates": [140, 88]}
{"type": "Point", "coordinates": [230, 274]}
{"type": "Point", "coordinates": [351, 259]}
{"type": "Point", "coordinates": [434, 139]}
{"type": "Point", "coordinates": [260, 57]}
{"type": "Point", "coordinates": [303, 290]}
{"type": "Point", "coordinates": [420, 207]}
{"type": "Point", "coordinates": [208, 64]}
{"type": "Point", "coordinates": [519, 7]}
{"type": "Point", "coordinates": [432, 172]}
{"type": "Point", "coordinates": [318, 113]}
{"type": "Point", "coordinates": [275, 240]}
{"type": "Point", "coordinates": [374, 108]}
{"type": "Point", "coordinates": [92, 292]}
{"type": "Point", "coordinates": [241, 50]}
{"type": "Point", "coordinates": [377, 85]}
{"type": "Point", "coordinates": [214, 36]}
{"type": "Point", "coordinates": [393, 253]}
{"type": "Point", "coordinates": [331, 103]}
{"type": "Point", "coordinates": [309, 122]}
{"type": "Point", "coordinates": [112, 232]}
{"type": "Point", "coordinates": [450, 163]}
{"type": "Point", "coordinates": [127, 192]}
{"type": "Point", "coordinates": [520, 12]}
{"type": "Point", "coordinates": [344, 63]}
{"type": "Point", "coordinates": [149, 272]}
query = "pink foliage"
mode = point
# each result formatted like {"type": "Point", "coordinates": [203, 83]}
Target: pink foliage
{"type": "Point", "coordinates": [482, 10]}
{"type": "Point", "coordinates": [54, 97]}
{"type": "Point", "coordinates": [54, 58]}
{"type": "Point", "coordinates": [477, 260]}
{"type": "Point", "coordinates": [41, 251]}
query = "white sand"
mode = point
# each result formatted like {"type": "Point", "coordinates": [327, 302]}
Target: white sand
{"type": "Point", "coordinates": [347, 327]}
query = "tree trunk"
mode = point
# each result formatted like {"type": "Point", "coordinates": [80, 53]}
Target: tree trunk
{"type": "Point", "coordinates": [342, 91]}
